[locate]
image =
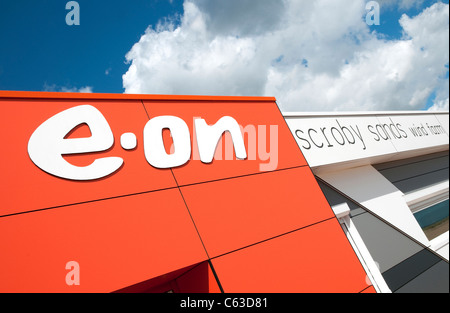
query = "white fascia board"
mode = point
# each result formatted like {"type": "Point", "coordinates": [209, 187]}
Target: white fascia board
{"type": "Point", "coordinates": [348, 140]}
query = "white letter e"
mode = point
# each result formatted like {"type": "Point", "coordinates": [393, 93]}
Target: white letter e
{"type": "Point", "coordinates": [47, 144]}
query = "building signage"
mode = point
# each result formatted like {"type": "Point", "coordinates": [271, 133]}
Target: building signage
{"type": "Point", "coordinates": [48, 144]}
{"type": "Point", "coordinates": [329, 140]}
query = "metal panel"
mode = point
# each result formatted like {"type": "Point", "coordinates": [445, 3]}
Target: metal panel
{"type": "Point", "coordinates": [434, 280]}
{"type": "Point", "coordinates": [407, 270]}
{"type": "Point", "coordinates": [416, 173]}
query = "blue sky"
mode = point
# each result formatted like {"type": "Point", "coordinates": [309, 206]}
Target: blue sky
{"type": "Point", "coordinates": [39, 52]}
{"type": "Point", "coordinates": [390, 27]}
{"type": "Point", "coordinates": [390, 15]}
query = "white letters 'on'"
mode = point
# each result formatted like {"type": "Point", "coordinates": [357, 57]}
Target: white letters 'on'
{"type": "Point", "coordinates": [47, 144]}
{"type": "Point", "coordinates": [207, 136]}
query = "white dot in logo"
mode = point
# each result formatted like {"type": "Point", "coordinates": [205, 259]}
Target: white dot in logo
{"type": "Point", "coordinates": [128, 141]}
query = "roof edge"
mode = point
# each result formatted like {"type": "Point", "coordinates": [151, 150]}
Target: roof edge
{"type": "Point", "coordinates": [357, 113]}
{"type": "Point", "coordinates": [123, 96]}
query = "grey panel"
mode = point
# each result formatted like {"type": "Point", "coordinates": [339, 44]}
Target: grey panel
{"type": "Point", "coordinates": [387, 246]}
{"type": "Point", "coordinates": [425, 180]}
{"type": "Point", "coordinates": [434, 280]}
{"type": "Point", "coordinates": [408, 170]}
{"type": "Point", "coordinates": [356, 212]}
{"type": "Point", "coordinates": [387, 165]}
{"type": "Point", "coordinates": [410, 268]}
{"type": "Point", "coordinates": [412, 174]}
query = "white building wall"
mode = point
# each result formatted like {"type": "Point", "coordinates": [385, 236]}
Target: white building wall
{"type": "Point", "coordinates": [367, 186]}
{"type": "Point", "coordinates": [342, 147]}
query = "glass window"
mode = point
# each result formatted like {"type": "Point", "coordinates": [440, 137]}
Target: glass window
{"type": "Point", "coordinates": [434, 219]}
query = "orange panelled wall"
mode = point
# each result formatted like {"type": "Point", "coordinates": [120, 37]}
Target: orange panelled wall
{"type": "Point", "coordinates": [300, 261]}
{"type": "Point", "coordinates": [29, 188]}
{"type": "Point", "coordinates": [234, 213]}
{"type": "Point", "coordinates": [255, 225]}
{"type": "Point", "coordinates": [117, 242]}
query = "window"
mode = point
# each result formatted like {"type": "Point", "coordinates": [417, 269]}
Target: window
{"type": "Point", "coordinates": [434, 219]}
{"type": "Point", "coordinates": [424, 181]}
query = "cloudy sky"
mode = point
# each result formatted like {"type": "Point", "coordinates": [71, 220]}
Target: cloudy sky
{"type": "Point", "coordinates": [320, 55]}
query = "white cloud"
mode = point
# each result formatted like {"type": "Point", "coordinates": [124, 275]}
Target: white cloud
{"type": "Point", "coordinates": [441, 101]}
{"type": "Point", "coordinates": [189, 59]}
{"type": "Point", "coordinates": [242, 17]}
{"type": "Point", "coordinates": [86, 89]}
{"type": "Point", "coordinates": [55, 88]}
{"type": "Point", "coordinates": [311, 55]}
{"type": "Point", "coordinates": [441, 105]}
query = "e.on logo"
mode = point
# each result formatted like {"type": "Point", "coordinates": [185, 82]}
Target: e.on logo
{"type": "Point", "coordinates": [48, 144]}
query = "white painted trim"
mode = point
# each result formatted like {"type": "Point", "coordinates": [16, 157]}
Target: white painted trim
{"type": "Point", "coordinates": [356, 113]}
{"type": "Point", "coordinates": [440, 241]}
{"type": "Point", "coordinates": [440, 245]}
{"type": "Point", "coordinates": [341, 210]}
{"type": "Point", "coordinates": [427, 197]}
